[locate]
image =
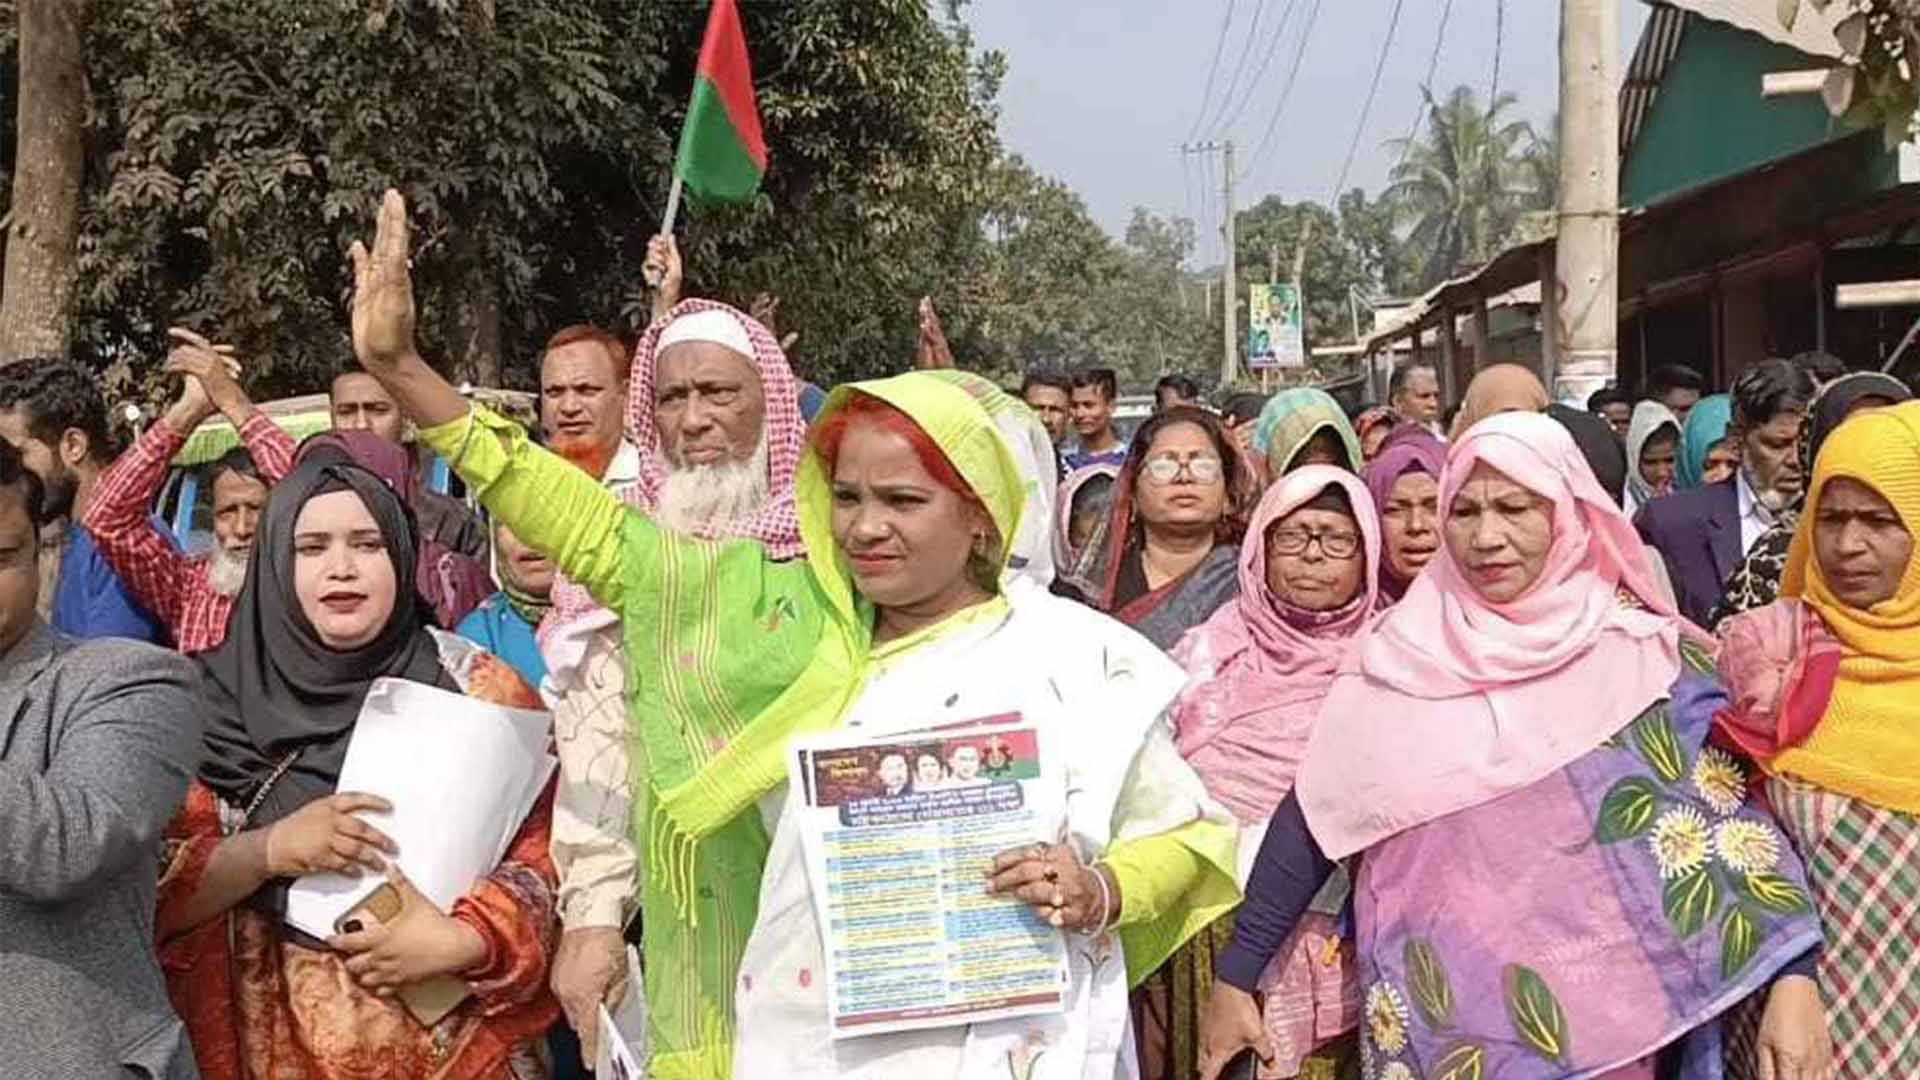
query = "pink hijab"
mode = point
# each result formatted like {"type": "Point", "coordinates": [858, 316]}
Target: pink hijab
{"type": "Point", "coordinates": [1453, 701]}
{"type": "Point", "coordinates": [1259, 668]}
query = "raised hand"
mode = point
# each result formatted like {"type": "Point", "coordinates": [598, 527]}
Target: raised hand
{"type": "Point", "coordinates": [383, 311]}
{"type": "Point", "coordinates": [766, 311]}
{"type": "Point", "coordinates": [207, 383]}
{"type": "Point", "coordinates": [663, 272]}
{"type": "Point", "coordinates": [932, 352]}
{"type": "Point", "coordinates": [210, 374]}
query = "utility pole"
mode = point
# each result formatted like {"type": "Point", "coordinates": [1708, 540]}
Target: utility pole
{"type": "Point", "coordinates": [1587, 280]}
{"type": "Point", "coordinates": [1229, 340]}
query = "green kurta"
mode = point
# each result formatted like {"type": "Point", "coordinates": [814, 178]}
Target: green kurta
{"type": "Point", "coordinates": [714, 634]}
{"type": "Point", "coordinates": [729, 655]}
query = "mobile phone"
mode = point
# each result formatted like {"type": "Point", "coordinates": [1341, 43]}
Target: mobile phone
{"type": "Point", "coordinates": [1244, 1066]}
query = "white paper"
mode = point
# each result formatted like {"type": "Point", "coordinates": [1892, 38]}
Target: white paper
{"type": "Point", "coordinates": [899, 831]}
{"type": "Point", "coordinates": [623, 1049]}
{"type": "Point", "coordinates": [461, 775]}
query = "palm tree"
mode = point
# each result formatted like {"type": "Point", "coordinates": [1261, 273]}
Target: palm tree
{"type": "Point", "coordinates": [1540, 165]}
{"type": "Point", "coordinates": [1464, 185]}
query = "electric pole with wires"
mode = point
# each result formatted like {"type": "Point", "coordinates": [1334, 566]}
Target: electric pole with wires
{"type": "Point", "coordinates": [1229, 341]}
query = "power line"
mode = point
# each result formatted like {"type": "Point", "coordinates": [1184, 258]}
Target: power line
{"type": "Point", "coordinates": [1426, 87]}
{"type": "Point", "coordinates": [1366, 110]}
{"type": "Point", "coordinates": [1240, 66]}
{"type": "Point", "coordinates": [1286, 91]}
{"type": "Point", "coordinates": [1213, 70]}
{"type": "Point", "coordinates": [1266, 62]}
{"type": "Point", "coordinates": [1186, 180]}
{"type": "Point", "coordinates": [1499, 39]}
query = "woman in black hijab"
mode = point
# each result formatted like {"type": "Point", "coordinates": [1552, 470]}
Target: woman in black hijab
{"type": "Point", "coordinates": [329, 606]}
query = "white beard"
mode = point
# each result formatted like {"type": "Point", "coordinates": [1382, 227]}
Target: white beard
{"type": "Point", "coordinates": [226, 571]}
{"type": "Point", "coordinates": [703, 499]}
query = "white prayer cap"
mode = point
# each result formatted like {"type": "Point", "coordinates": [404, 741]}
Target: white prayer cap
{"type": "Point", "coordinates": [716, 327]}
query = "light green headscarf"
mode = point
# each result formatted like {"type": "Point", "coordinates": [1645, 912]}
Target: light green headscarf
{"type": "Point", "coordinates": [707, 849]}
{"type": "Point", "coordinates": [1031, 556]}
{"type": "Point", "coordinates": [1293, 417]}
{"type": "Point", "coordinates": [952, 414]}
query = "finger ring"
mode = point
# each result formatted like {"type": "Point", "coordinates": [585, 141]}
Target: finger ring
{"type": "Point", "coordinates": [1052, 875]}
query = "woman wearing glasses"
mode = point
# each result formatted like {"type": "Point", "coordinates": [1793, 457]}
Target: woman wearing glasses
{"type": "Point", "coordinates": [1557, 875]}
{"type": "Point", "coordinates": [1257, 673]}
{"type": "Point", "coordinates": [1164, 560]}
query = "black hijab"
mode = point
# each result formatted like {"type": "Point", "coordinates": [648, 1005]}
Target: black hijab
{"type": "Point", "coordinates": [1835, 403]}
{"type": "Point", "coordinates": [1598, 444]}
{"type": "Point", "coordinates": [274, 691]}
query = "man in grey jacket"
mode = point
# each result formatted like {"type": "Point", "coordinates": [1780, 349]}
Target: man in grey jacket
{"type": "Point", "coordinates": [97, 742]}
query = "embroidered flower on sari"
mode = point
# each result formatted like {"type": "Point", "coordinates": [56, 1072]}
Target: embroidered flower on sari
{"type": "Point", "coordinates": [1720, 781]}
{"type": "Point", "coordinates": [1747, 847]}
{"type": "Point", "coordinates": [1387, 1018]}
{"type": "Point", "coordinates": [1396, 1070]}
{"type": "Point", "coordinates": [1680, 842]}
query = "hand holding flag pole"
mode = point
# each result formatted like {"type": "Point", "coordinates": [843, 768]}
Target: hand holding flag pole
{"type": "Point", "coordinates": [723, 152]}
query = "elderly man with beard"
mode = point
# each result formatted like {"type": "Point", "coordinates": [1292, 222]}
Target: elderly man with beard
{"type": "Point", "coordinates": [190, 595]}
{"type": "Point", "coordinates": [709, 528]}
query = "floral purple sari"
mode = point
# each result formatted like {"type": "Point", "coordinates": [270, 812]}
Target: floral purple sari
{"type": "Point", "coordinates": [1575, 926]}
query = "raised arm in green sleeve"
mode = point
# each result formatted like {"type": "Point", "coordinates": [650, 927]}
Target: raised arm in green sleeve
{"type": "Point", "coordinates": [551, 505]}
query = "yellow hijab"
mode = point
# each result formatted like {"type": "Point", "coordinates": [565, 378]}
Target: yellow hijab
{"type": "Point", "coordinates": [1868, 743]}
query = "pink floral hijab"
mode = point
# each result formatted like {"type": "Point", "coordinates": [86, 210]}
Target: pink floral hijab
{"type": "Point", "coordinates": [1453, 701]}
{"type": "Point", "coordinates": [1259, 668]}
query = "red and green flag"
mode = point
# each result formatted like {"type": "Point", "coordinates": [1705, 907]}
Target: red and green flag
{"type": "Point", "coordinates": [722, 151]}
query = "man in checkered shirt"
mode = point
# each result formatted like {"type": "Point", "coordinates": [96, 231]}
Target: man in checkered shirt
{"type": "Point", "coordinates": [190, 594]}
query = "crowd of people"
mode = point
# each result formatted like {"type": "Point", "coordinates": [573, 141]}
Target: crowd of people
{"type": "Point", "coordinates": [1516, 739]}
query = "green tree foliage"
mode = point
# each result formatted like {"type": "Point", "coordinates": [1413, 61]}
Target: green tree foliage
{"type": "Point", "coordinates": [236, 147]}
{"type": "Point", "coordinates": [1354, 250]}
{"type": "Point", "coordinates": [1048, 288]}
{"type": "Point", "coordinates": [1463, 186]}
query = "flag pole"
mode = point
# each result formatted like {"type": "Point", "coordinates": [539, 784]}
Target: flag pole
{"type": "Point", "coordinates": [666, 221]}
{"type": "Point", "coordinates": [673, 205]}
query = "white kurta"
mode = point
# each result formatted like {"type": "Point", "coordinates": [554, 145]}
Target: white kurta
{"type": "Point", "coordinates": [1100, 690]}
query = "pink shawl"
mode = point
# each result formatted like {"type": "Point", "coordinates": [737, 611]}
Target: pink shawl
{"type": "Point", "coordinates": [1451, 701]}
{"type": "Point", "coordinates": [1260, 669]}
{"type": "Point", "coordinates": [777, 525]}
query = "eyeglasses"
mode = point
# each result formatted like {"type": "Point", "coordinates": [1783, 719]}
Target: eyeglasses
{"type": "Point", "coordinates": [1165, 470]}
{"type": "Point", "coordinates": [1335, 545]}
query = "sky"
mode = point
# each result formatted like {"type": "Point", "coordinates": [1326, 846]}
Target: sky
{"type": "Point", "coordinates": [1102, 94]}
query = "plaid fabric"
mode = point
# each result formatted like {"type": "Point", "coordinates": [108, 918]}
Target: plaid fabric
{"type": "Point", "coordinates": [1864, 865]}
{"type": "Point", "coordinates": [170, 585]}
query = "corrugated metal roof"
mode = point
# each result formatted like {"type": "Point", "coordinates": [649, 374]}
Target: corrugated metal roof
{"type": "Point", "coordinates": [1812, 34]}
{"type": "Point", "coordinates": [1659, 41]}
